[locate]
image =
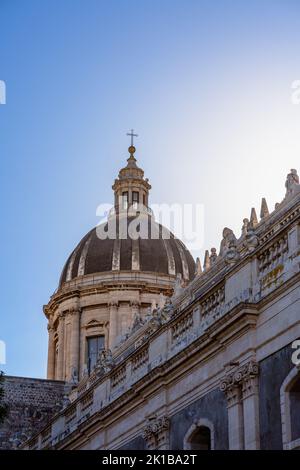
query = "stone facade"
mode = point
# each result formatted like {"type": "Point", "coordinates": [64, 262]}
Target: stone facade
{"type": "Point", "coordinates": [31, 403]}
{"type": "Point", "coordinates": [211, 368]}
{"type": "Point", "coordinates": [198, 360]}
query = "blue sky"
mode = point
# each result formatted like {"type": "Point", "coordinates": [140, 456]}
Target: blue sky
{"type": "Point", "coordinates": [207, 86]}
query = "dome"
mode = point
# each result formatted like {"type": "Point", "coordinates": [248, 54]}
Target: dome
{"type": "Point", "coordinates": [161, 255]}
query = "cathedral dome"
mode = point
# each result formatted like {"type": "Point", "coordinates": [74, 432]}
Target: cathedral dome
{"type": "Point", "coordinates": [160, 255]}
{"type": "Point", "coordinates": [154, 249]}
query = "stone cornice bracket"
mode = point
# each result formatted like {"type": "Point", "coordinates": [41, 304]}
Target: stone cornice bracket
{"type": "Point", "coordinates": [156, 432]}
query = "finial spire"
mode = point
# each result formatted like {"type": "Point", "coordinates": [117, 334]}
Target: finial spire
{"type": "Point", "coordinates": [253, 217]}
{"type": "Point", "coordinates": [264, 211]}
{"type": "Point", "coordinates": [206, 260]}
{"type": "Point", "coordinates": [198, 270]}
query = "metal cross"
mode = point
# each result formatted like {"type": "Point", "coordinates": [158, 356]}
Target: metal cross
{"type": "Point", "coordinates": [132, 135]}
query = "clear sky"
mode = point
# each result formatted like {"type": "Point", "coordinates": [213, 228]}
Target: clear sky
{"type": "Point", "coordinates": [207, 86]}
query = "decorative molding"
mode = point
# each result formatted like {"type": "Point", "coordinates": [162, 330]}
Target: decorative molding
{"type": "Point", "coordinates": [240, 383]}
{"type": "Point", "coordinates": [156, 433]}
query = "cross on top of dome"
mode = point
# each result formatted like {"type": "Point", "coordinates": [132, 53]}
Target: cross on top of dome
{"type": "Point", "coordinates": [132, 135]}
{"type": "Point", "coordinates": [131, 148]}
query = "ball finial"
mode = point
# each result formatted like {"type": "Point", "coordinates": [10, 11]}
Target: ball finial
{"type": "Point", "coordinates": [131, 149]}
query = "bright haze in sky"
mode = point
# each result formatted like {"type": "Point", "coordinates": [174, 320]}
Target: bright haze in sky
{"type": "Point", "coordinates": [207, 85]}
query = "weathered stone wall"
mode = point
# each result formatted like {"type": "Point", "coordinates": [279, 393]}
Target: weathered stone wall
{"type": "Point", "coordinates": [212, 407]}
{"type": "Point", "coordinates": [31, 403]}
{"type": "Point", "coordinates": [273, 371]}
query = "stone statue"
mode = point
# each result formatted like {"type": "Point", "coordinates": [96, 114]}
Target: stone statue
{"type": "Point", "coordinates": [245, 226]}
{"type": "Point", "coordinates": [292, 181]}
{"type": "Point", "coordinates": [137, 321]}
{"type": "Point", "coordinates": [232, 255]}
{"type": "Point", "coordinates": [167, 311]}
{"type": "Point", "coordinates": [228, 239]}
{"type": "Point", "coordinates": [155, 321]}
{"type": "Point", "coordinates": [104, 362]}
{"type": "Point", "coordinates": [178, 287]}
{"type": "Point", "coordinates": [251, 239]}
{"type": "Point", "coordinates": [213, 256]}
{"type": "Point", "coordinates": [228, 248]}
{"type": "Point", "coordinates": [107, 360]}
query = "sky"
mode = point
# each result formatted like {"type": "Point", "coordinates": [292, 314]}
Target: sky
{"type": "Point", "coordinates": [207, 85]}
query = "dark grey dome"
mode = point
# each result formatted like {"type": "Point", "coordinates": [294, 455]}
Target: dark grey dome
{"type": "Point", "coordinates": [161, 255]}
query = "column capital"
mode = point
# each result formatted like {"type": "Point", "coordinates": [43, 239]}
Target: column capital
{"type": "Point", "coordinates": [113, 303]}
{"type": "Point", "coordinates": [249, 387]}
{"type": "Point", "coordinates": [74, 310]}
{"type": "Point", "coordinates": [243, 379]}
{"type": "Point", "coordinates": [156, 432]}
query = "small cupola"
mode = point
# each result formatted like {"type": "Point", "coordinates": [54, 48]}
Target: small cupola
{"type": "Point", "coordinates": [131, 188]}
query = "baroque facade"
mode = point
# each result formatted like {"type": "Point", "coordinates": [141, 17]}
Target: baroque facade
{"type": "Point", "coordinates": [158, 353]}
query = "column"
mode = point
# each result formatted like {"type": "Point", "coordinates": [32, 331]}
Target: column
{"type": "Point", "coordinates": [51, 353]}
{"type": "Point", "coordinates": [61, 341]}
{"type": "Point", "coordinates": [75, 344]}
{"type": "Point", "coordinates": [113, 323]}
{"type": "Point", "coordinates": [241, 389]}
{"type": "Point", "coordinates": [235, 418]}
{"type": "Point", "coordinates": [163, 434]}
{"type": "Point", "coordinates": [251, 412]}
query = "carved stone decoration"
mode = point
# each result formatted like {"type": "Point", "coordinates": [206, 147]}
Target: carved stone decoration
{"type": "Point", "coordinates": [159, 316]}
{"type": "Point", "coordinates": [240, 382]}
{"type": "Point", "coordinates": [264, 211]}
{"type": "Point", "coordinates": [206, 264]}
{"type": "Point", "coordinates": [178, 287]}
{"type": "Point", "coordinates": [251, 239]}
{"type": "Point", "coordinates": [167, 311]}
{"type": "Point", "coordinates": [292, 181]}
{"type": "Point", "coordinates": [213, 256]}
{"type": "Point", "coordinates": [229, 241]}
{"type": "Point", "coordinates": [198, 270]}
{"type": "Point", "coordinates": [245, 226]}
{"type": "Point", "coordinates": [232, 255]}
{"type": "Point", "coordinates": [137, 322]}
{"type": "Point", "coordinates": [105, 362]}
{"type": "Point", "coordinates": [154, 321]}
{"type": "Point", "coordinates": [253, 217]}
{"type": "Point", "coordinates": [156, 433]}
